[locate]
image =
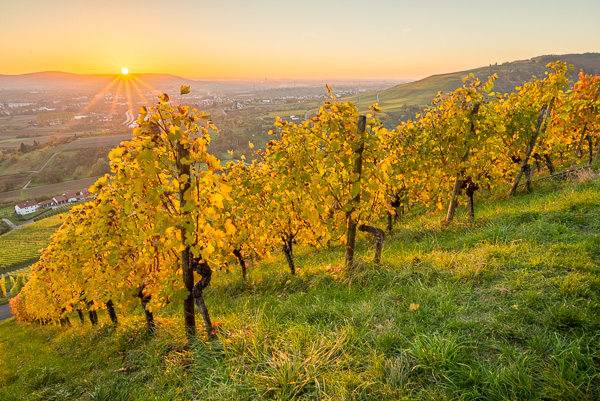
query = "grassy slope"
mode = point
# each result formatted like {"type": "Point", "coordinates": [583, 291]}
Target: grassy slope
{"type": "Point", "coordinates": [510, 75]}
{"type": "Point", "coordinates": [509, 308]}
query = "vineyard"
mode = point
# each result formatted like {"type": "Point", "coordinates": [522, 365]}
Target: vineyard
{"type": "Point", "coordinates": [12, 283]}
{"type": "Point", "coordinates": [169, 216]}
{"type": "Point", "coordinates": [22, 246]}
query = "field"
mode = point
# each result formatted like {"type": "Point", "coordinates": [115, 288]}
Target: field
{"type": "Point", "coordinates": [506, 307]}
{"type": "Point", "coordinates": [9, 125]}
{"type": "Point", "coordinates": [98, 141]}
{"type": "Point", "coordinates": [21, 246]}
{"type": "Point", "coordinates": [47, 190]}
{"type": "Point", "coordinates": [15, 130]}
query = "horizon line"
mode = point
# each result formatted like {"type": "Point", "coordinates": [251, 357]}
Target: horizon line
{"type": "Point", "coordinates": [221, 78]}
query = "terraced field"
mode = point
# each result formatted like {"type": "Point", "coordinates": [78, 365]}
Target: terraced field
{"type": "Point", "coordinates": [21, 246]}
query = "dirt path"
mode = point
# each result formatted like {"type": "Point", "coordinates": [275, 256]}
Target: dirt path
{"type": "Point", "coordinates": [43, 167]}
{"type": "Point", "coordinates": [10, 224]}
{"type": "Point", "coordinates": [5, 312]}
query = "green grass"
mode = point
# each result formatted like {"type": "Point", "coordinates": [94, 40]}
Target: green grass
{"type": "Point", "coordinates": [509, 309]}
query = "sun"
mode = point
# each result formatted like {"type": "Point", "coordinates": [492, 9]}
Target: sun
{"type": "Point", "coordinates": [124, 71]}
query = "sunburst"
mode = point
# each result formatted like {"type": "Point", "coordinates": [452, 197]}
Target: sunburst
{"type": "Point", "coordinates": [128, 84]}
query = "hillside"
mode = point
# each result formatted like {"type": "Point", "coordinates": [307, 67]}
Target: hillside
{"type": "Point", "coordinates": [510, 75]}
{"type": "Point", "coordinates": [505, 307]}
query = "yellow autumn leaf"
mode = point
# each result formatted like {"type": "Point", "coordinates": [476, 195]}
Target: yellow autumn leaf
{"type": "Point", "coordinates": [413, 307]}
{"type": "Point", "coordinates": [217, 200]}
{"type": "Point", "coordinates": [229, 227]}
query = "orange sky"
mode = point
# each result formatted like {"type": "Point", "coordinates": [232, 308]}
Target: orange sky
{"type": "Point", "coordinates": [288, 39]}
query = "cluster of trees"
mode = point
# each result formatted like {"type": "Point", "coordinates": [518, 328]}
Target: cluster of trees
{"type": "Point", "coordinates": [24, 148]}
{"type": "Point", "coordinates": [168, 215]}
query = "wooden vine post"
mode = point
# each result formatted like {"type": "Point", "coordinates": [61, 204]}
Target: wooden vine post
{"type": "Point", "coordinates": [453, 202]}
{"type": "Point", "coordinates": [544, 114]}
{"type": "Point", "coordinates": [582, 137]}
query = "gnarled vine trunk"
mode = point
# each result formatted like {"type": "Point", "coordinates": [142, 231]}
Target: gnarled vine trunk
{"type": "Point", "coordinates": [470, 188]}
{"type": "Point", "coordinates": [145, 299]}
{"type": "Point", "coordinates": [379, 236]}
{"type": "Point", "coordinates": [92, 314]}
{"type": "Point", "coordinates": [205, 272]}
{"type": "Point", "coordinates": [65, 321]}
{"type": "Point", "coordinates": [240, 258]}
{"type": "Point", "coordinates": [288, 243]}
{"type": "Point", "coordinates": [81, 316]}
{"type": "Point", "coordinates": [391, 219]}
{"type": "Point", "coordinates": [111, 312]}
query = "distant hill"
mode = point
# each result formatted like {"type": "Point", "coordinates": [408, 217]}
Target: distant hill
{"type": "Point", "coordinates": [510, 75]}
{"type": "Point", "coordinates": [55, 80]}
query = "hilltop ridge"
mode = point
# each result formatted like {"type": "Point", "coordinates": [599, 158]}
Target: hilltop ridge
{"type": "Point", "coordinates": [510, 75]}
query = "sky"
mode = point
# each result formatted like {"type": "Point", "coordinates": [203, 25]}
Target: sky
{"type": "Point", "coordinates": [308, 39]}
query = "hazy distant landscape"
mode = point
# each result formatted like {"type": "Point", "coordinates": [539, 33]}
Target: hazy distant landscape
{"type": "Point", "coordinates": [74, 115]}
{"type": "Point", "coordinates": [76, 119]}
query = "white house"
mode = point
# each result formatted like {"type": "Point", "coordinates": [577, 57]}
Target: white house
{"type": "Point", "coordinates": [71, 196]}
{"type": "Point", "coordinates": [60, 200]}
{"type": "Point", "coordinates": [26, 207]}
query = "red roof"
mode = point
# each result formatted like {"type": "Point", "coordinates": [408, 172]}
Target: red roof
{"type": "Point", "coordinates": [46, 202]}
{"type": "Point", "coordinates": [61, 198]}
{"type": "Point", "coordinates": [70, 194]}
{"type": "Point", "coordinates": [27, 204]}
